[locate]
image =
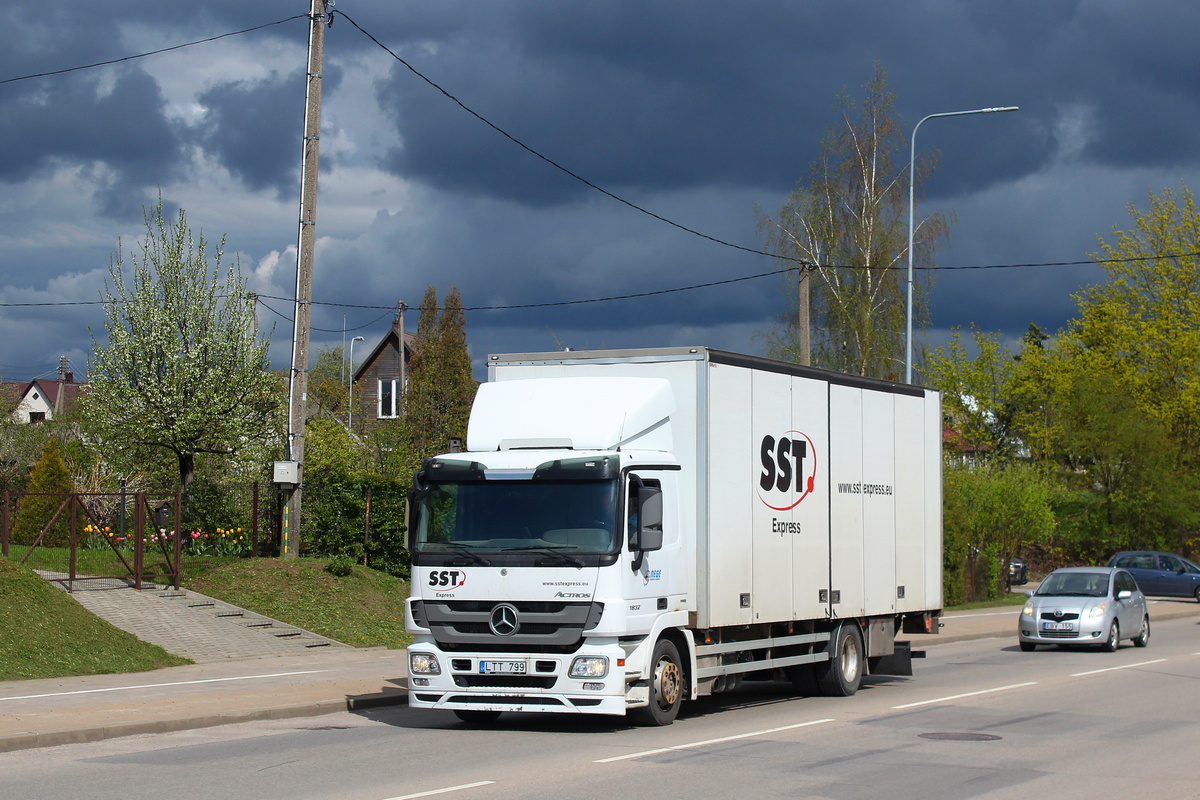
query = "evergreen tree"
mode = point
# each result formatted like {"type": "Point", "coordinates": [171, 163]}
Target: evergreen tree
{"type": "Point", "coordinates": [440, 386]}
{"type": "Point", "coordinates": [49, 485]}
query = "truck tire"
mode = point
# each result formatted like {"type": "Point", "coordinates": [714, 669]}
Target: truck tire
{"type": "Point", "coordinates": [841, 675]}
{"type": "Point", "coordinates": [666, 686]}
{"type": "Point", "coordinates": [804, 680]}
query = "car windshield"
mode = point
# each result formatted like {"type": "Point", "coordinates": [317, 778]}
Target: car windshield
{"type": "Point", "coordinates": [1074, 584]}
{"type": "Point", "coordinates": [537, 518]}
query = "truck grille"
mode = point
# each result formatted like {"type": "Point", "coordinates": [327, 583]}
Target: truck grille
{"type": "Point", "coordinates": [541, 626]}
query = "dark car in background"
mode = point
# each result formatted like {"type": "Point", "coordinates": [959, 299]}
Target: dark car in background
{"type": "Point", "coordinates": [1018, 571]}
{"type": "Point", "coordinates": [1160, 574]}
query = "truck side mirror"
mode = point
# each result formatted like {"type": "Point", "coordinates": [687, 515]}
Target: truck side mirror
{"type": "Point", "coordinates": [650, 519]}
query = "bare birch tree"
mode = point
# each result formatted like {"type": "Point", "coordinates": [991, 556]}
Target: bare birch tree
{"type": "Point", "coordinates": [849, 222]}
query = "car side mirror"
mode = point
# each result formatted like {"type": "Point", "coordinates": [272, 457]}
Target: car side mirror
{"type": "Point", "coordinates": [1124, 594]}
{"type": "Point", "coordinates": [1029, 592]}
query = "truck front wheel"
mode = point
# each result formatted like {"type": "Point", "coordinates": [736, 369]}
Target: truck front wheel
{"type": "Point", "coordinates": [666, 686]}
{"type": "Point", "coordinates": [842, 673]}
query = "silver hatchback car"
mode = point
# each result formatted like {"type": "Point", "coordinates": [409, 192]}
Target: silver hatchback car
{"type": "Point", "coordinates": [1096, 606]}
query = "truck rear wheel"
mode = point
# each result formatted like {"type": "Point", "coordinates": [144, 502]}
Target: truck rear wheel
{"type": "Point", "coordinates": [666, 686]}
{"type": "Point", "coordinates": [841, 675]}
{"type": "Point", "coordinates": [804, 679]}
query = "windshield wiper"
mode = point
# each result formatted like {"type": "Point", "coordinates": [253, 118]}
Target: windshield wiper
{"type": "Point", "coordinates": [463, 550]}
{"type": "Point", "coordinates": [556, 552]}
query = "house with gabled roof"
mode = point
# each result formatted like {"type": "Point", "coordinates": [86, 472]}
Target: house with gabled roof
{"type": "Point", "coordinates": [42, 399]}
{"type": "Point", "coordinates": [381, 379]}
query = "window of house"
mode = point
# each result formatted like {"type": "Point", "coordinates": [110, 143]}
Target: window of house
{"type": "Point", "coordinates": [37, 416]}
{"type": "Point", "coordinates": [388, 388]}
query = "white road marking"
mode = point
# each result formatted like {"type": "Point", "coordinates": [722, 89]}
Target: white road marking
{"type": "Point", "coordinates": [432, 792]}
{"type": "Point", "coordinates": [966, 694]}
{"type": "Point", "coordinates": [159, 685]}
{"type": "Point", "coordinates": [658, 750]}
{"type": "Point", "coordinates": [1110, 669]}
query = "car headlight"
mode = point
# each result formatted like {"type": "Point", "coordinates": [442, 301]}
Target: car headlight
{"type": "Point", "coordinates": [1097, 611]}
{"type": "Point", "coordinates": [589, 667]}
{"type": "Point", "coordinates": [1027, 611]}
{"type": "Point", "coordinates": [423, 664]}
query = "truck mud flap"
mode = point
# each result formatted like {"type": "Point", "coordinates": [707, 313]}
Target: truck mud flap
{"type": "Point", "coordinates": [898, 663]}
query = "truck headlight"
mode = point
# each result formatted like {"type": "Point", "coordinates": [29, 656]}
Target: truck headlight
{"type": "Point", "coordinates": [1097, 611]}
{"type": "Point", "coordinates": [589, 667]}
{"type": "Point", "coordinates": [423, 664]}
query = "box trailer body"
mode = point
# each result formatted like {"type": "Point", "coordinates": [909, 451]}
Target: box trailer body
{"type": "Point", "coordinates": [630, 529]}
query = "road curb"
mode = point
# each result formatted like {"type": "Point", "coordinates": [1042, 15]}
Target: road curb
{"type": "Point", "coordinates": [30, 740]}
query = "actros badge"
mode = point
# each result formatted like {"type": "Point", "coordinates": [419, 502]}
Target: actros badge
{"type": "Point", "coordinates": [789, 466]}
{"type": "Point", "coordinates": [447, 578]}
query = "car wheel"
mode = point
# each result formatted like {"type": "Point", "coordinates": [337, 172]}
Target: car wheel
{"type": "Point", "coordinates": [1143, 638]}
{"type": "Point", "coordinates": [1114, 638]}
{"type": "Point", "coordinates": [477, 717]}
{"type": "Point", "coordinates": [666, 686]}
{"type": "Point", "coordinates": [842, 673]}
{"type": "Point", "coordinates": [1196, 594]}
{"type": "Point", "coordinates": [1028, 647]}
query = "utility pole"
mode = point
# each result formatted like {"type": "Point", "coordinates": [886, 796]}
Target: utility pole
{"type": "Point", "coordinates": [803, 325]}
{"type": "Point", "coordinates": [62, 386]}
{"type": "Point", "coordinates": [298, 382]}
{"type": "Point", "coordinates": [403, 361]}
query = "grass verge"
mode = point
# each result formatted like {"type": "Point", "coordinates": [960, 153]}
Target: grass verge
{"type": "Point", "coordinates": [363, 609]}
{"type": "Point", "coordinates": [46, 634]}
{"type": "Point", "coordinates": [1015, 598]}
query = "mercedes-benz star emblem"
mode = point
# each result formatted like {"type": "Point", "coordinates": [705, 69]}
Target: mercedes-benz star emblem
{"type": "Point", "coordinates": [504, 620]}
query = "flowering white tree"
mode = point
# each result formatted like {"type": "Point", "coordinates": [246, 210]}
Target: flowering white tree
{"type": "Point", "coordinates": [183, 368]}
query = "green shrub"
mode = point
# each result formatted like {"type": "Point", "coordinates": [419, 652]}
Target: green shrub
{"type": "Point", "coordinates": [49, 486]}
{"type": "Point", "coordinates": [341, 566]}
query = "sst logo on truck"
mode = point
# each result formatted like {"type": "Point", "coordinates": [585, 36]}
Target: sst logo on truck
{"type": "Point", "coordinates": [789, 466]}
{"type": "Point", "coordinates": [447, 578]}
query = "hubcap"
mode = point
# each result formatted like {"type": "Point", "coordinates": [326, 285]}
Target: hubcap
{"type": "Point", "coordinates": [849, 660]}
{"type": "Point", "coordinates": [667, 679]}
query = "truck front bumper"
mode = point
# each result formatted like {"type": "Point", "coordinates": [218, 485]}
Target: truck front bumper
{"type": "Point", "coordinates": [518, 681]}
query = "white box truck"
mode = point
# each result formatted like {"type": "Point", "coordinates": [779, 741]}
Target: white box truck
{"type": "Point", "coordinates": [629, 529]}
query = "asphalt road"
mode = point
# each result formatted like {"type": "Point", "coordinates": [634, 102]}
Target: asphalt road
{"type": "Point", "coordinates": [980, 719]}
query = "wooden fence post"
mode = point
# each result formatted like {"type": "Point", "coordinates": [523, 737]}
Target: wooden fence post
{"type": "Point", "coordinates": [254, 524]}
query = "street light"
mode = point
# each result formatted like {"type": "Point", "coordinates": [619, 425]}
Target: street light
{"type": "Point", "coordinates": [912, 158]}
{"type": "Point", "coordinates": [350, 410]}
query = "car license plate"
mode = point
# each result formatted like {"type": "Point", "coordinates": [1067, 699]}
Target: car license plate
{"type": "Point", "coordinates": [1058, 626]}
{"type": "Point", "coordinates": [502, 667]}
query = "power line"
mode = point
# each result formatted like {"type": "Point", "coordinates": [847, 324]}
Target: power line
{"type": "Point", "coordinates": [151, 53]}
{"type": "Point", "coordinates": [554, 163]}
{"type": "Point", "coordinates": [672, 290]}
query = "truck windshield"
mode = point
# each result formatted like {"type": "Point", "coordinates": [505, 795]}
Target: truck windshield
{"type": "Point", "coordinates": [538, 523]}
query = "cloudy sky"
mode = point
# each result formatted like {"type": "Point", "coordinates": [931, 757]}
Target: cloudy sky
{"type": "Point", "coordinates": [697, 111]}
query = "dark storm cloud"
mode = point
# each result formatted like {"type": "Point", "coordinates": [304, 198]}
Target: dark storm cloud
{"type": "Point", "coordinates": [78, 122]}
{"type": "Point", "coordinates": [253, 127]}
{"type": "Point", "coordinates": [668, 95]}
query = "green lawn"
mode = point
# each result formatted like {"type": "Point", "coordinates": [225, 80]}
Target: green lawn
{"type": "Point", "coordinates": [46, 634]}
{"type": "Point", "coordinates": [364, 609]}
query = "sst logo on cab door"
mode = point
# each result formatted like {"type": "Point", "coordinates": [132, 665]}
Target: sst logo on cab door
{"type": "Point", "coordinates": [789, 468]}
{"type": "Point", "coordinates": [445, 579]}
